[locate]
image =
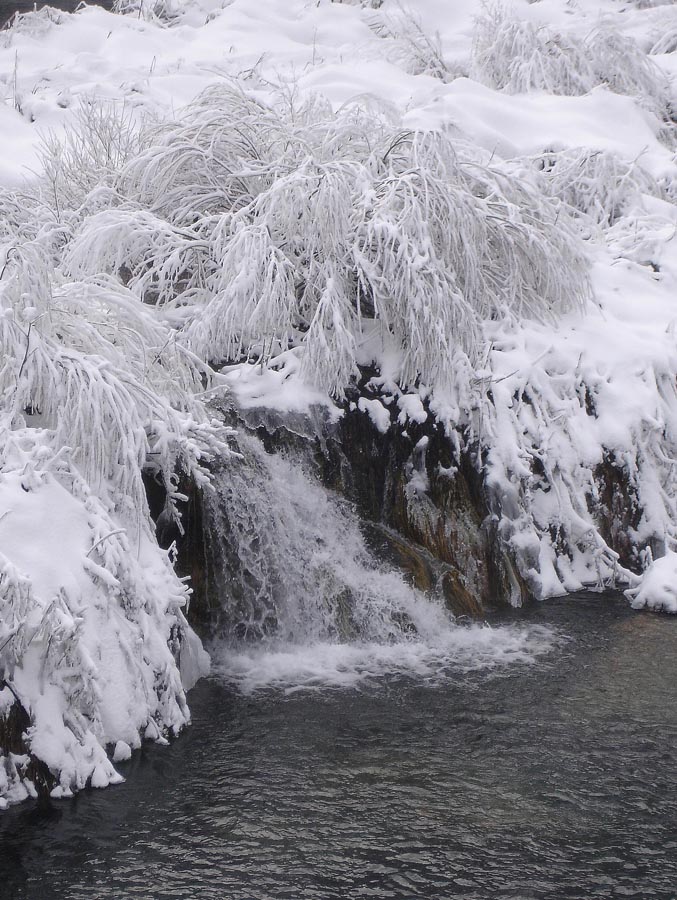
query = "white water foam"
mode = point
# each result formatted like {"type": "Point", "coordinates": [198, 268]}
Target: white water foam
{"type": "Point", "coordinates": [305, 604]}
{"type": "Point", "coordinates": [458, 650]}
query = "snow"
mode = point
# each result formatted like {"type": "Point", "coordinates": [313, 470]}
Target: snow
{"type": "Point", "coordinates": [377, 412]}
{"type": "Point", "coordinates": [658, 588]}
{"type": "Point", "coordinates": [522, 125]}
{"type": "Point", "coordinates": [57, 527]}
{"type": "Point", "coordinates": [551, 392]}
{"type": "Point", "coordinates": [102, 688]}
{"type": "Point", "coordinates": [275, 386]}
{"type": "Point", "coordinates": [411, 407]}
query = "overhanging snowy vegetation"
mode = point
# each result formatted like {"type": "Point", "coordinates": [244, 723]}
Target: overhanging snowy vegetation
{"type": "Point", "coordinates": [493, 233]}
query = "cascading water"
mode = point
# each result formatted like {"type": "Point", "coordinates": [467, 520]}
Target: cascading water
{"type": "Point", "coordinates": [303, 601]}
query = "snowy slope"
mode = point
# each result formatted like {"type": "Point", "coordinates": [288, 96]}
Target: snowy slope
{"type": "Point", "coordinates": [564, 107]}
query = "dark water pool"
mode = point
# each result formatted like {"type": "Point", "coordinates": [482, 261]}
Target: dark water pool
{"type": "Point", "coordinates": [554, 780]}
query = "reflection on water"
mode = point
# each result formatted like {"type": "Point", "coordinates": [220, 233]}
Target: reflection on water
{"type": "Point", "coordinates": [554, 779]}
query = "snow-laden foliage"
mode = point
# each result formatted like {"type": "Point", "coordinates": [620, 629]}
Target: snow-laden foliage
{"type": "Point", "coordinates": [87, 157]}
{"type": "Point", "coordinates": [411, 46]}
{"type": "Point", "coordinates": [103, 374]}
{"type": "Point", "coordinates": [80, 600]}
{"type": "Point", "coordinates": [598, 184]}
{"type": "Point", "coordinates": [160, 12]}
{"type": "Point", "coordinates": [96, 394]}
{"type": "Point", "coordinates": [293, 225]}
{"type": "Point", "coordinates": [518, 56]}
{"type": "Point", "coordinates": [666, 42]}
{"type": "Point", "coordinates": [561, 435]}
{"type": "Point", "coordinates": [36, 22]}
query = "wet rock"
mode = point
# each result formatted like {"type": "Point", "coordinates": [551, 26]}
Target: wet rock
{"type": "Point", "coordinates": [429, 509]}
{"type": "Point", "coordinates": [19, 763]}
{"type": "Point", "coordinates": [190, 547]}
{"type": "Point", "coordinates": [617, 512]}
{"type": "Point", "coordinates": [409, 480]}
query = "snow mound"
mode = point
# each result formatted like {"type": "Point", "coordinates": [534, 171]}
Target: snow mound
{"type": "Point", "coordinates": [658, 587]}
{"type": "Point", "coordinates": [91, 628]}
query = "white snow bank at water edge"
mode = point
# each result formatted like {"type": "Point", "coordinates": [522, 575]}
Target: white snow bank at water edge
{"type": "Point", "coordinates": [658, 587]}
{"type": "Point", "coordinates": [90, 625]}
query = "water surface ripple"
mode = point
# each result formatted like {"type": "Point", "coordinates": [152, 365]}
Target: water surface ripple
{"type": "Point", "coordinates": [555, 779]}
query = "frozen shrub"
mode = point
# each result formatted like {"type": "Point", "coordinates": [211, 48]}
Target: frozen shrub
{"type": "Point", "coordinates": [598, 184]}
{"type": "Point", "coordinates": [36, 22]}
{"type": "Point", "coordinates": [413, 48]}
{"type": "Point", "coordinates": [621, 64]}
{"type": "Point", "coordinates": [159, 11]}
{"type": "Point", "coordinates": [519, 56]}
{"type": "Point", "coordinates": [665, 43]}
{"type": "Point", "coordinates": [105, 375]}
{"type": "Point", "coordinates": [252, 218]}
{"type": "Point", "coordinates": [101, 139]}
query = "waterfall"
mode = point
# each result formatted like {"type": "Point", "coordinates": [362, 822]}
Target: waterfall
{"type": "Point", "coordinates": [302, 600]}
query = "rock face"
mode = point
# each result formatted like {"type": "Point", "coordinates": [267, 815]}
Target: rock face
{"type": "Point", "coordinates": [424, 507]}
{"type": "Point", "coordinates": [189, 544]}
{"type": "Point", "coordinates": [21, 773]}
{"type": "Point", "coordinates": [426, 514]}
{"type": "Point", "coordinates": [436, 513]}
{"type": "Point", "coordinates": [618, 513]}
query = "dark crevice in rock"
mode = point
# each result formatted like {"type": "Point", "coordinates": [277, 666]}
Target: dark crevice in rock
{"type": "Point", "coordinates": [14, 725]}
{"type": "Point", "coordinates": [190, 544]}
{"type": "Point", "coordinates": [618, 514]}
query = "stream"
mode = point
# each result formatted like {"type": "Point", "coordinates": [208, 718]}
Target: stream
{"type": "Point", "coordinates": [545, 777]}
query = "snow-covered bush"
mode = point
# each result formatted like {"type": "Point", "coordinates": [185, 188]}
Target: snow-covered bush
{"type": "Point", "coordinates": [621, 64]}
{"type": "Point", "coordinates": [518, 56]}
{"type": "Point", "coordinates": [157, 11]}
{"type": "Point", "coordinates": [666, 42]}
{"type": "Point", "coordinates": [95, 394]}
{"type": "Point", "coordinates": [85, 159]}
{"type": "Point", "coordinates": [95, 610]}
{"type": "Point", "coordinates": [411, 46]}
{"type": "Point", "coordinates": [292, 225]}
{"type": "Point", "coordinates": [35, 22]}
{"type": "Point", "coordinates": [108, 378]}
{"type": "Point", "coordinates": [596, 183]}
